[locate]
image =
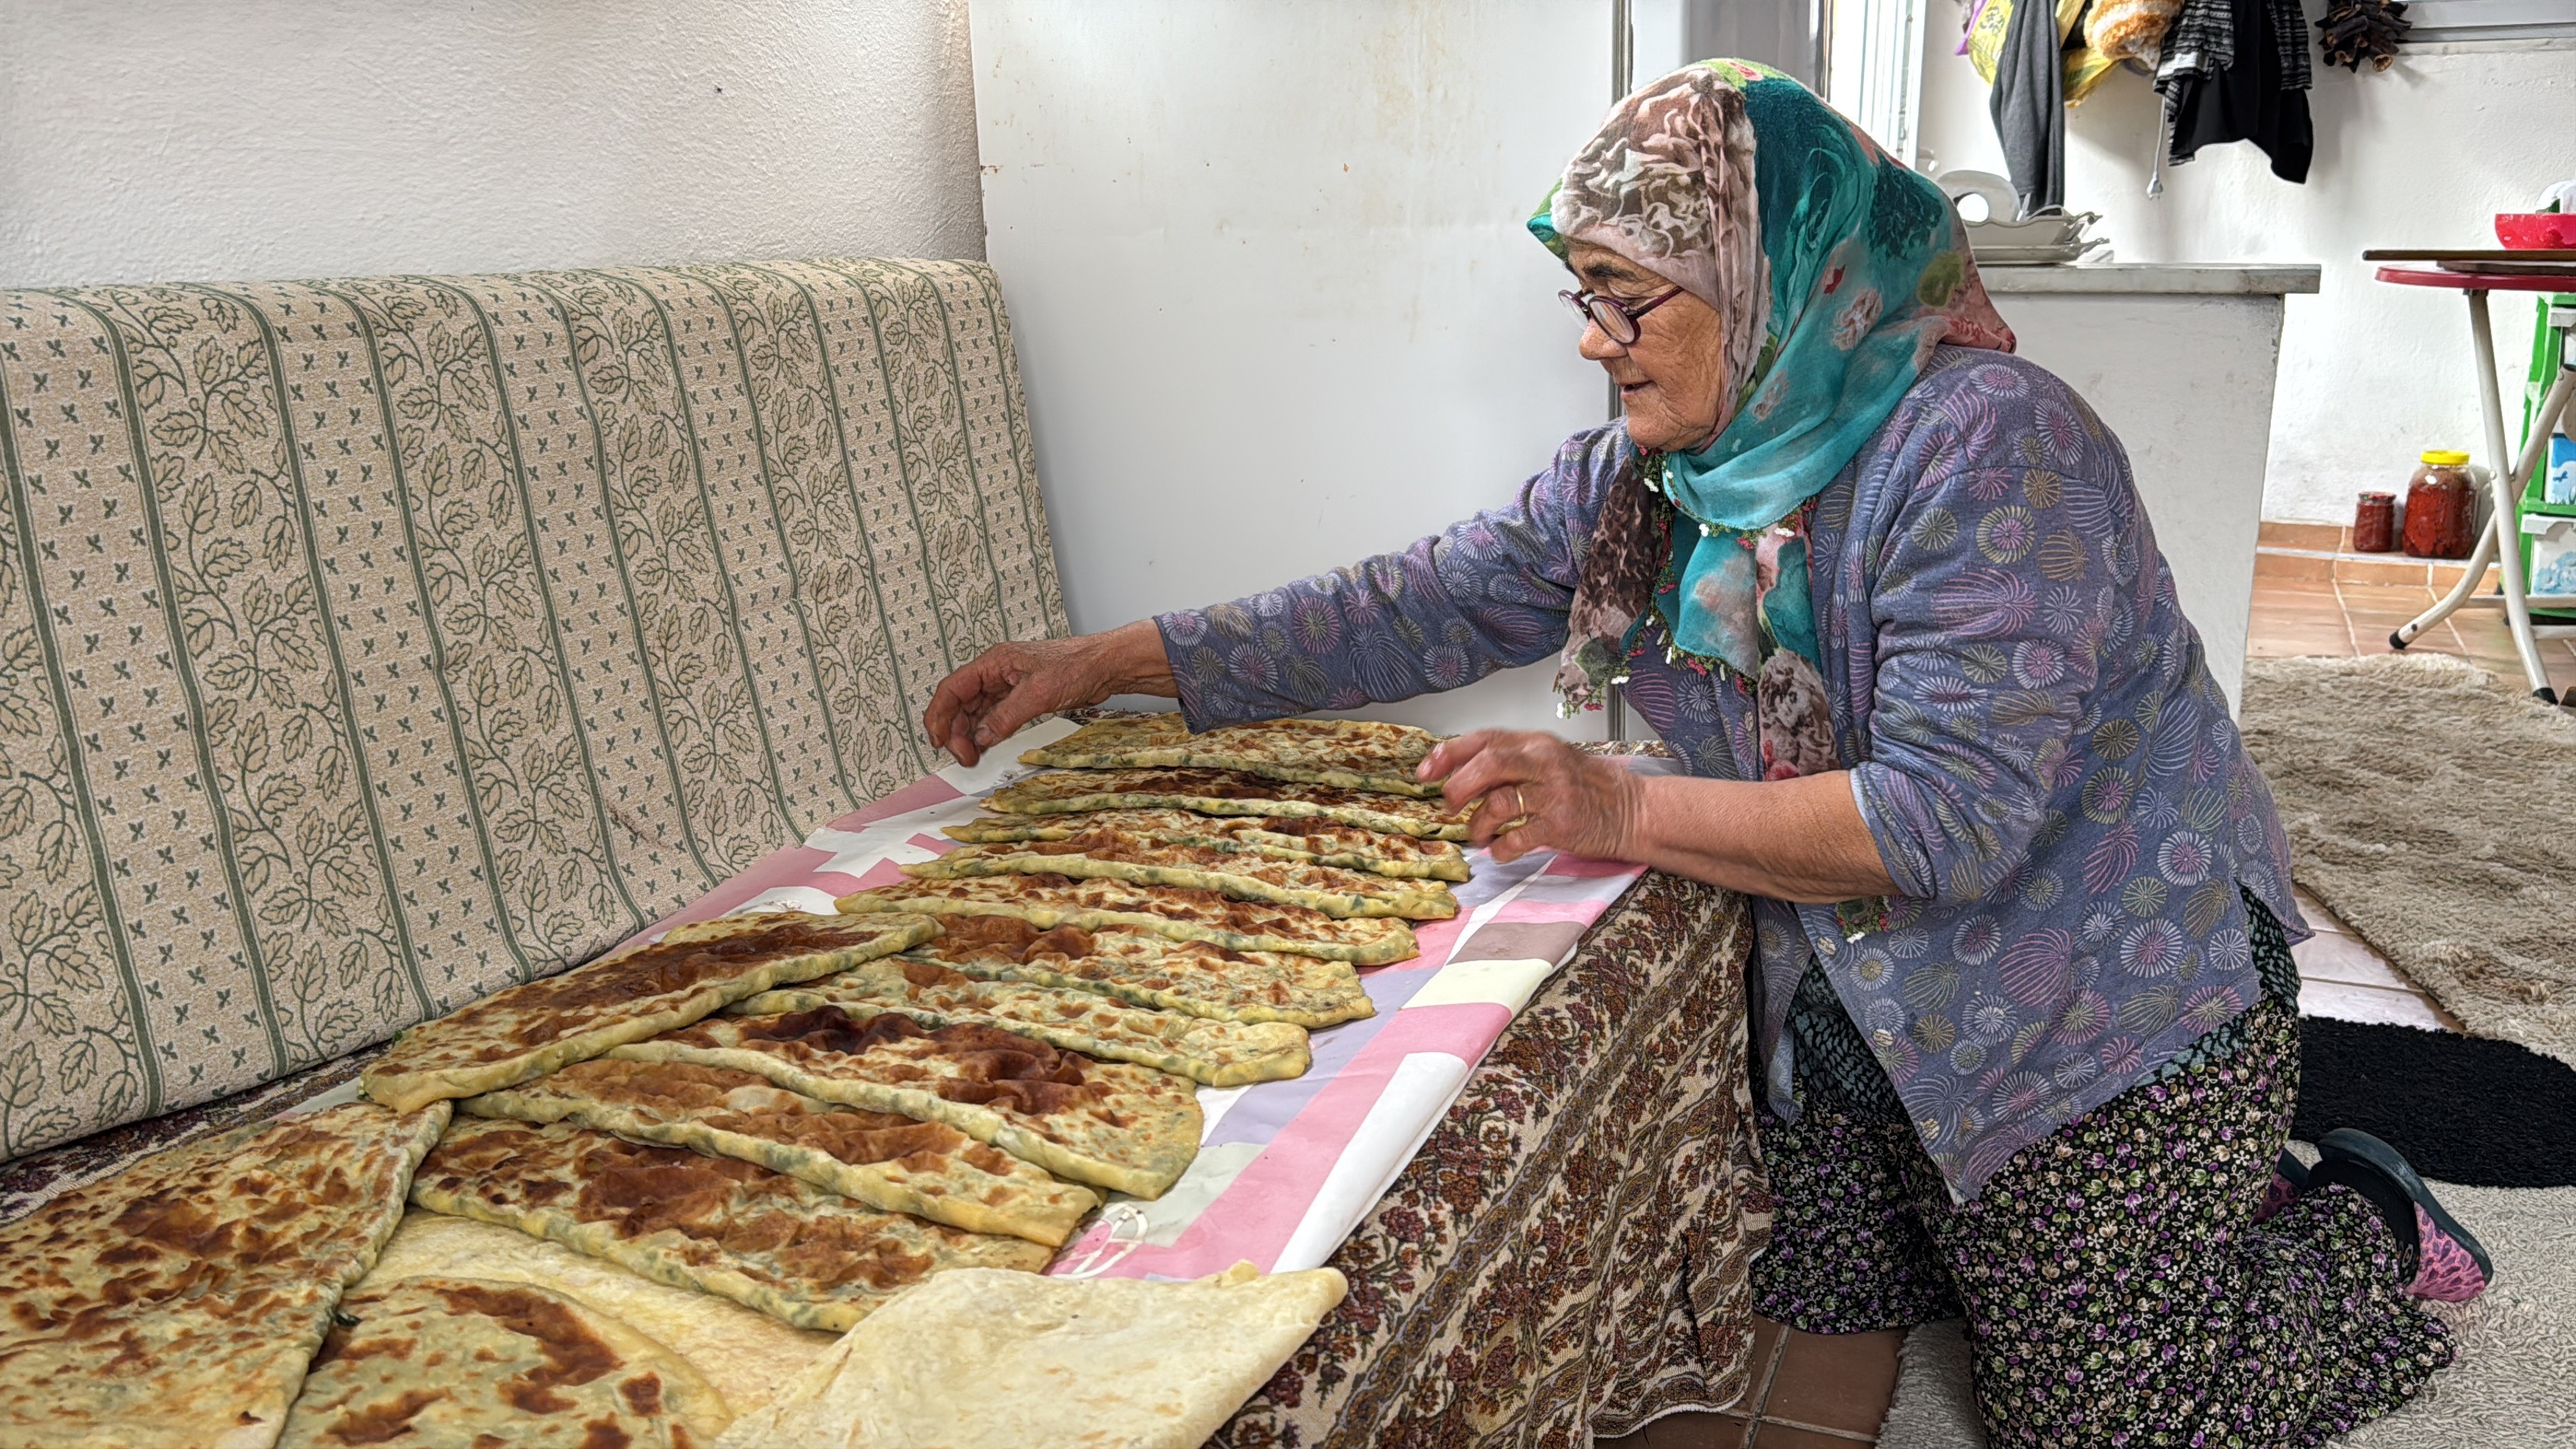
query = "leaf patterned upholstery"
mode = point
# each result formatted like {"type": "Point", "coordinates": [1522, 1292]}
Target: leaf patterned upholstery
{"type": "Point", "coordinates": [371, 645]}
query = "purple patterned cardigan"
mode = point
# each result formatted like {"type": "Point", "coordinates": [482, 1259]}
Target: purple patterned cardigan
{"type": "Point", "coordinates": [2048, 769]}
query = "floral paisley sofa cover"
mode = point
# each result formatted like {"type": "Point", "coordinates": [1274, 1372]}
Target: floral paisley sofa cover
{"type": "Point", "coordinates": [371, 645]}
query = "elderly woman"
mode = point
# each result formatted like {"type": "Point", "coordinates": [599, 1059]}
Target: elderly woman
{"type": "Point", "coordinates": [2025, 1005]}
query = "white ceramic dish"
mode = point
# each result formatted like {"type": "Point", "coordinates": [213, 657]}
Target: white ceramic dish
{"type": "Point", "coordinates": [2053, 229]}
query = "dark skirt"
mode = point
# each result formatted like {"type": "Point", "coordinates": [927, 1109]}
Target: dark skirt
{"type": "Point", "coordinates": [2116, 1286]}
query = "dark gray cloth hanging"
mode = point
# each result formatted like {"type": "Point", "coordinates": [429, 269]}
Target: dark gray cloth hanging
{"type": "Point", "coordinates": [2029, 106]}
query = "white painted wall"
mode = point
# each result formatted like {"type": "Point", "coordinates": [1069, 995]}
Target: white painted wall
{"type": "Point", "coordinates": [2420, 155]}
{"type": "Point", "coordinates": [1275, 306]}
{"type": "Point", "coordinates": [280, 138]}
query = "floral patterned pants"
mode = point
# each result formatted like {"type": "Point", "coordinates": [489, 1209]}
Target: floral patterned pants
{"type": "Point", "coordinates": [2116, 1287]}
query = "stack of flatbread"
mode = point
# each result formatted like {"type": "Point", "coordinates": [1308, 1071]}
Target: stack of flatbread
{"type": "Point", "coordinates": [645, 1193]}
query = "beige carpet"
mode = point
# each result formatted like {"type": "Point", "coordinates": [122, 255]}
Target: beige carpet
{"type": "Point", "coordinates": [2436, 814]}
{"type": "Point", "coordinates": [2513, 1385]}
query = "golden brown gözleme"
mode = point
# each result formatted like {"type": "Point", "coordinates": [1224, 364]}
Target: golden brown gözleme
{"type": "Point", "coordinates": [1113, 854]}
{"type": "Point", "coordinates": [1226, 793]}
{"type": "Point", "coordinates": [1305, 841]}
{"type": "Point", "coordinates": [892, 1163]}
{"type": "Point", "coordinates": [529, 1030]}
{"type": "Point", "coordinates": [1350, 754]}
{"type": "Point", "coordinates": [462, 1361]}
{"type": "Point", "coordinates": [1127, 1128]}
{"type": "Point", "coordinates": [1211, 1053]}
{"type": "Point", "coordinates": [176, 1304]}
{"type": "Point", "coordinates": [1148, 968]}
{"type": "Point", "coordinates": [802, 1254]}
{"type": "Point", "coordinates": [1183, 913]}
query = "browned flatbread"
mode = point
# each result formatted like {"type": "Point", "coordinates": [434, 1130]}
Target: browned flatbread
{"type": "Point", "coordinates": [746, 1355]}
{"type": "Point", "coordinates": [892, 1163]}
{"type": "Point", "coordinates": [463, 1361]}
{"type": "Point", "coordinates": [176, 1304]}
{"type": "Point", "coordinates": [1226, 793]}
{"type": "Point", "coordinates": [1180, 912]}
{"type": "Point", "coordinates": [1151, 969]}
{"type": "Point", "coordinates": [799, 1253]}
{"type": "Point", "coordinates": [1112, 854]}
{"type": "Point", "coordinates": [1305, 841]}
{"type": "Point", "coordinates": [1348, 753]}
{"type": "Point", "coordinates": [530, 1030]}
{"type": "Point", "coordinates": [1211, 1053]}
{"type": "Point", "coordinates": [1127, 1128]}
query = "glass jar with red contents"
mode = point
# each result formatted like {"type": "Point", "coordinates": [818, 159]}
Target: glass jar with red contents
{"type": "Point", "coordinates": [2442, 507]}
{"type": "Point", "coordinates": [2374, 523]}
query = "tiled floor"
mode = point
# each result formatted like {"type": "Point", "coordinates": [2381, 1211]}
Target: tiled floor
{"type": "Point", "coordinates": [1816, 1392]}
{"type": "Point", "coordinates": [2312, 598]}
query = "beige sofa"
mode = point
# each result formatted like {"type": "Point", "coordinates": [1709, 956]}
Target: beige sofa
{"type": "Point", "coordinates": [373, 644]}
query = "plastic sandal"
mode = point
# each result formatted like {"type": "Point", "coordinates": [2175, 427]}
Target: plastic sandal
{"type": "Point", "coordinates": [2451, 1265]}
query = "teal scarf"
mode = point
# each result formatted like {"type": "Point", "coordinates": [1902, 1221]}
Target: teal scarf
{"type": "Point", "coordinates": [1861, 270]}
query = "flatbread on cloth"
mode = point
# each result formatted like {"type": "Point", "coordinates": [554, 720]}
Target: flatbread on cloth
{"type": "Point", "coordinates": [531, 1029]}
{"type": "Point", "coordinates": [1127, 1128]}
{"type": "Point", "coordinates": [1306, 841]}
{"type": "Point", "coordinates": [891, 1163]}
{"type": "Point", "coordinates": [176, 1304]}
{"type": "Point", "coordinates": [1350, 754]}
{"type": "Point", "coordinates": [1120, 856]}
{"type": "Point", "coordinates": [1210, 1053]}
{"type": "Point", "coordinates": [1054, 1361]}
{"type": "Point", "coordinates": [1226, 793]}
{"type": "Point", "coordinates": [1151, 969]}
{"type": "Point", "coordinates": [462, 1361]}
{"type": "Point", "coordinates": [1183, 913]}
{"type": "Point", "coordinates": [806, 1257]}
{"type": "Point", "coordinates": [746, 1355]}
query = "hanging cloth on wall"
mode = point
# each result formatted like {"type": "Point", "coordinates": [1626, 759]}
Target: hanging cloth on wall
{"type": "Point", "coordinates": [2237, 70]}
{"type": "Point", "coordinates": [2023, 104]}
{"type": "Point", "coordinates": [2029, 108]}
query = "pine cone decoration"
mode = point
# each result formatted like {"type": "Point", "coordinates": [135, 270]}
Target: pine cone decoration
{"type": "Point", "coordinates": [2352, 31]}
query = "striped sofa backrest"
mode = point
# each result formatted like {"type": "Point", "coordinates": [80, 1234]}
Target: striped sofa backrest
{"type": "Point", "coordinates": [371, 645]}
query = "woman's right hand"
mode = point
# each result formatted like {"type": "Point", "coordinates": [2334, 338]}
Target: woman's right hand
{"type": "Point", "coordinates": [1011, 684]}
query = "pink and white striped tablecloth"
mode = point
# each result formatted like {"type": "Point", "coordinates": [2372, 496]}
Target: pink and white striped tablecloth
{"type": "Point", "coordinates": [1285, 1169]}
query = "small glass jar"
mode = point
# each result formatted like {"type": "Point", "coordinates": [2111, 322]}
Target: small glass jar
{"type": "Point", "coordinates": [2442, 507]}
{"type": "Point", "coordinates": [2374, 523]}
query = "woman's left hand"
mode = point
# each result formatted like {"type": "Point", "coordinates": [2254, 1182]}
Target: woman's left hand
{"type": "Point", "coordinates": [1540, 792]}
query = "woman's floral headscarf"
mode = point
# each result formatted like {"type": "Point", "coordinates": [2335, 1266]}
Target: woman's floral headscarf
{"type": "Point", "coordinates": [1835, 272]}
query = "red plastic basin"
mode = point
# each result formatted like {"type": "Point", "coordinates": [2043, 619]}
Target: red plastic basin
{"type": "Point", "coordinates": [2535, 230]}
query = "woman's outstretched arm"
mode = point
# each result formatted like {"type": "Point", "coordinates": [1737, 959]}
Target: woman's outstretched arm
{"type": "Point", "coordinates": [1485, 594]}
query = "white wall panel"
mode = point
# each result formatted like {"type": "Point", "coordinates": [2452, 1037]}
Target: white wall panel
{"type": "Point", "coordinates": [1275, 306]}
{"type": "Point", "coordinates": [228, 139]}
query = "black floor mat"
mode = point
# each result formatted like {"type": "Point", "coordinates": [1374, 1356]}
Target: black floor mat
{"type": "Point", "coordinates": [2463, 1109]}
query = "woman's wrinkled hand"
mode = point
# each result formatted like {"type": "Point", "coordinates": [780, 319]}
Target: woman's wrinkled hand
{"type": "Point", "coordinates": [1009, 685]}
{"type": "Point", "coordinates": [1540, 792]}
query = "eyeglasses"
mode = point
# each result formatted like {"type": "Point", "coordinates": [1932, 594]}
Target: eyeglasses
{"type": "Point", "coordinates": [1617, 320]}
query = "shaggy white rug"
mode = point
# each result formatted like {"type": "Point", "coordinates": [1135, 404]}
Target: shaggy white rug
{"type": "Point", "coordinates": [2512, 1386]}
{"type": "Point", "coordinates": [2436, 814]}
